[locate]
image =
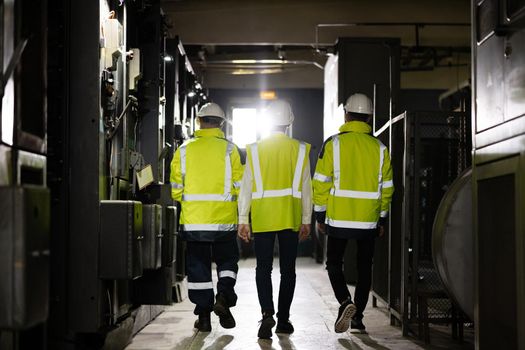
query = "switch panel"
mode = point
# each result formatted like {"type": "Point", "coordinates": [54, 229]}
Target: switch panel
{"type": "Point", "coordinates": [24, 256]}
{"type": "Point", "coordinates": [169, 239]}
{"type": "Point", "coordinates": [113, 41]}
{"type": "Point", "coordinates": [152, 247]}
{"type": "Point", "coordinates": [134, 70]}
{"type": "Point", "coordinates": [120, 239]}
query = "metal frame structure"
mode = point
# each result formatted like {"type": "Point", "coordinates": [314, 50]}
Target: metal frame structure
{"type": "Point", "coordinates": [404, 261]}
{"type": "Point", "coordinates": [102, 128]}
{"type": "Point", "coordinates": [498, 181]}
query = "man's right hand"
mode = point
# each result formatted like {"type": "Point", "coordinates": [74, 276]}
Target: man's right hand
{"type": "Point", "coordinates": [321, 227]}
{"type": "Point", "coordinates": [381, 230]}
{"type": "Point", "coordinates": [243, 231]}
{"type": "Point", "coordinates": [304, 232]}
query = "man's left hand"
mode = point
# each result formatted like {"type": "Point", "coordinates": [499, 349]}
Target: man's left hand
{"type": "Point", "coordinates": [243, 231]}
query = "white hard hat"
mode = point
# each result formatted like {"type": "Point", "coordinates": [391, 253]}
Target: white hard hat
{"type": "Point", "coordinates": [211, 109]}
{"type": "Point", "coordinates": [359, 103]}
{"type": "Point", "coordinates": [279, 112]}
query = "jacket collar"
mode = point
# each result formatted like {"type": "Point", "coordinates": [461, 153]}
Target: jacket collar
{"type": "Point", "coordinates": [356, 126]}
{"type": "Point", "coordinates": [213, 132]}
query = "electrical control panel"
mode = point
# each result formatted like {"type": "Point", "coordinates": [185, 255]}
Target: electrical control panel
{"type": "Point", "coordinates": [152, 246]}
{"type": "Point", "coordinates": [120, 239]}
{"type": "Point", "coordinates": [134, 69]}
{"type": "Point", "coordinates": [24, 256]}
{"type": "Point", "coordinates": [169, 239]}
{"type": "Point", "coordinates": [112, 41]}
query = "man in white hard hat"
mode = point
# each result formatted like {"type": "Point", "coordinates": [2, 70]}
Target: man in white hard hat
{"type": "Point", "coordinates": [277, 187]}
{"type": "Point", "coordinates": [352, 193]}
{"type": "Point", "coordinates": [205, 177]}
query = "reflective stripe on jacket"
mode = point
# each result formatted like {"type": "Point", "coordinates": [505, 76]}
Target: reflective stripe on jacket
{"type": "Point", "coordinates": [277, 164]}
{"type": "Point", "coordinates": [353, 178]}
{"type": "Point", "coordinates": [205, 177]}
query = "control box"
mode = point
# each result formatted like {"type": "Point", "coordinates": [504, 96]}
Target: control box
{"type": "Point", "coordinates": [24, 256]}
{"type": "Point", "coordinates": [120, 239]}
{"type": "Point", "coordinates": [152, 246]}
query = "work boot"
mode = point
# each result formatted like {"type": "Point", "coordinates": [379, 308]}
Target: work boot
{"type": "Point", "coordinates": [222, 310]}
{"type": "Point", "coordinates": [357, 323]}
{"type": "Point", "coordinates": [265, 329]}
{"type": "Point", "coordinates": [203, 323]}
{"type": "Point", "coordinates": [284, 327]}
{"type": "Point", "coordinates": [346, 312]}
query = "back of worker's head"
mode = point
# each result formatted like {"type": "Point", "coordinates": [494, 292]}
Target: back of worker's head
{"type": "Point", "coordinates": [358, 107]}
{"type": "Point", "coordinates": [279, 114]}
{"type": "Point", "coordinates": [210, 115]}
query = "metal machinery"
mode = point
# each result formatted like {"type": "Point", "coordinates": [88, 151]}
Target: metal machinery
{"type": "Point", "coordinates": [24, 194]}
{"type": "Point", "coordinates": [95, 99]}
{"type": "Point", "coordinates": [498, 175]}
{"type": "Point", "coordinates": [428, 150]}
{"type": "Point", "coordinates": [453, 243]}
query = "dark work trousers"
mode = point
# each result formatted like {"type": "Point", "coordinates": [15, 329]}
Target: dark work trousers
{"type": "Point", "coordinates": [264, 242]}
{"type": "Point", "coordinates": [199, 256]}
{"type": "Point", "coordinates": [334, 264]}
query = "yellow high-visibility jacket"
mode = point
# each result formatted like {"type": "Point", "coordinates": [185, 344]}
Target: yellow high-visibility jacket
{"type": "Point", "coordinates": [277, 164]}
{"type": "Point", "coordinates": [353, 178]}
{"type": "Point", "coordinates": [206, 173]}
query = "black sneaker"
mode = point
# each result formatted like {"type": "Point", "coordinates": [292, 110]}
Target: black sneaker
{"type": "Point", "coordinates": [346, 312]}
{"type": "Point", "coordinates": [357, 323]}
{"type": "Point", "coordinates": [222, 310]}
{"type": "Point", "coordinates": [203, 323]}
{"type": "Point", "coordinates": [265, 330]}
{"type": "Point", "coordinates": [284, 327]}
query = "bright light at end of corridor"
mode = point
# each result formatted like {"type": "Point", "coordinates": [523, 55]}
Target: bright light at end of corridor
{"type": "Point", "coordinates": [264, 125]}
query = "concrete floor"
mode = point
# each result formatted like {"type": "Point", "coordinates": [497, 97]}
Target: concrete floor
{"type": "Point", "coordinates": [313, 314]}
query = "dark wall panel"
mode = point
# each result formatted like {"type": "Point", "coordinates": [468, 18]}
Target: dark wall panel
{"type": "Point", "coordinates": [497, 262]}
{"type": "Point", "coordinates": [419, 100]}
{"type": "Point", "coordinates": [368, 62]}
{"type": "Point", "coordinates": [84, 176]}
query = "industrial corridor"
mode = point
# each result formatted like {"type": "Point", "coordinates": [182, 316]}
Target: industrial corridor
{"type": "Point", "coordinates": [313, 315]}
{"type": "Point", "coordinates": [154, 152]}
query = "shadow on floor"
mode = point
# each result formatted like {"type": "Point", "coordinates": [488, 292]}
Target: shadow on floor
{"type": "Point", "coordinates": [348, 344]}
{"type": "Point", "coordinates": [220, 343]}
{"type": "Point", "coordinates": [365, 338]}
{"type": "Point", "coordinates": [265, 344]}
{"type": "Point", "coordinates": [285, 342]}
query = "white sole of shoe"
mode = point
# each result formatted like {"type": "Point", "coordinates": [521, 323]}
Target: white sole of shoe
{"type": "Point", "coordinates": [343, 323]}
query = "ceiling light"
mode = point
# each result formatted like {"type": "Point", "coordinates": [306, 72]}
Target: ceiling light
{"type": "Point", "coordinates": [257, 71]}
{"type": "Point", "coordinates": [266, 61]}
{"type": "Point", "coordinates": [268, 95]}
{"type": "Point", "coordinates": [244, 61]}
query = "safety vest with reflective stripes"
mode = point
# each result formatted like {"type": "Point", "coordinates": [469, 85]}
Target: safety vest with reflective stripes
{"type": "Point", "coordinates": [277, 164]}
{"type": "Point", "coordinates": [206, 172]}
{"type": "Point", "coordinates": [353, 178]}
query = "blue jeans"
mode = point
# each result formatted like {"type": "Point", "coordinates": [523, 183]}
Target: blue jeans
{"type": "Point", "coordinates": [264, 243]}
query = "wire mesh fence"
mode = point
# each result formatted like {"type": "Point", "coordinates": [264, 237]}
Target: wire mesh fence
{"type": "Point", "coordinates": [428, 150]}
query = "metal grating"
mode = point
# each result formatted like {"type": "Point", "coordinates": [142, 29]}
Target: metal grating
{"type": "Point", "coordinates": [428, 150]}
